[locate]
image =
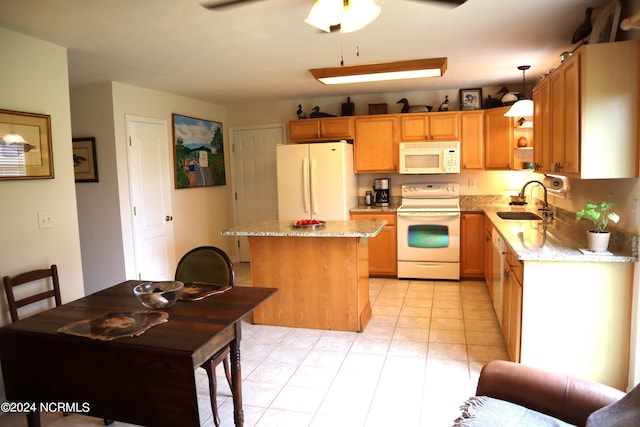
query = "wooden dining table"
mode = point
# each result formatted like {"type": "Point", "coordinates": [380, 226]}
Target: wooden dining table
{"type": "Point", "coordinates": [147, 379]}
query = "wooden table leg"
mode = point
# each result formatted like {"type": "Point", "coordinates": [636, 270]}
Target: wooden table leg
{"type": "Point", "coordinates": [33, 419]}
{"type": "Point", "coordinates": [236, 377]}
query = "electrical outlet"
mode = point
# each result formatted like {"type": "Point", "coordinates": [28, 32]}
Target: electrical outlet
{"type": "Point", "coordinates": [45, 220]}
{"type": "Point", "coordinates": [472, 183]}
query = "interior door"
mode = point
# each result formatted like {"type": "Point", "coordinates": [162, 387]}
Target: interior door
{"type": "Point", "coordinates": [254, 183]}
{"type": "Point", "coordinates": [150, 181]}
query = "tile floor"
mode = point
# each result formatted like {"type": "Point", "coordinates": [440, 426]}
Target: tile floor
{"type": "Point", "coordinates": [417, 360]}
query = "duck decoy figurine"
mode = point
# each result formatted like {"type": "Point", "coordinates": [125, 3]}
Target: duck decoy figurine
{"type": "Point", "coordinates": [406, 108]}
{"type": "Point", "coordinates": [507, 97]}
{"type": "Point", "coordinates": [301, 114]}
{"type": "Point", "coordinates": [584, 29]}
{"type": "Point", "coordinates": [317, 113]}
{"type": "Point", "coordinates": [445, 104]}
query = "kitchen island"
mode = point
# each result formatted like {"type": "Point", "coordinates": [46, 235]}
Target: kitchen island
{"type": "Point", "coordinates": [322, 274]}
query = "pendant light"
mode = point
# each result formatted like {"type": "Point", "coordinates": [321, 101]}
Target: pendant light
{"type": "Point", "coordinates": [524, 106]}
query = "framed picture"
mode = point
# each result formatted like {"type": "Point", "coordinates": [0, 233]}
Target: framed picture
{"type": "Point", "coordinates": [25, 146]}
{"type": "Point", "coordinates": [198, 152]}
{"type": "Point", "coordinates": [85, 163]}
{"type": "Point", "coordinates": [470, 99]}
{"type": "Point", "coordinates": [605, 25]}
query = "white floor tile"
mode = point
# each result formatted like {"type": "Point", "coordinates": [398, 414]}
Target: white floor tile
{"type": "Point", "coordinates": [418, 359]}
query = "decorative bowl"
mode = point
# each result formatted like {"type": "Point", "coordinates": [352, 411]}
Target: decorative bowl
{"type": "Point", "coordinates": [158, 294]}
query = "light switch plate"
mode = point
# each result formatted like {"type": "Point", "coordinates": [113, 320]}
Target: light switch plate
{"type": "Point", "coordinates": [45, 220]}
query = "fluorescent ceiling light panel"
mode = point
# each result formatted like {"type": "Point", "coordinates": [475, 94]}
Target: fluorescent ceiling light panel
{"type": "Point", "coordinates": [412, 69]}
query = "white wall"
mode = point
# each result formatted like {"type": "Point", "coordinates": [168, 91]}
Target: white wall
{"type": "Point", "coordinates": [199, 213]}
{"type": "Point", "coordinates": [36, 81]}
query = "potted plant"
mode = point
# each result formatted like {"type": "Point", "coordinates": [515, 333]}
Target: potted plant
{"type": "Point", "coordinates": [600, 214]}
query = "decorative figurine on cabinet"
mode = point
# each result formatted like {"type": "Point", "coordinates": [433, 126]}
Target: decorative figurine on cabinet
{"type": "Point", "coordinates": [316, 113]}
{"type": "Point", "coordinates": [445, 104]}
{"type": "Point", "coordinates": [301, 114]}
{"type": "Point", "coordinates": [406, 108]}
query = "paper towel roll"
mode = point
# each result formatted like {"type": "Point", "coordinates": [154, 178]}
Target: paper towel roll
{"type": "Point", "coordinates": [555, 183]}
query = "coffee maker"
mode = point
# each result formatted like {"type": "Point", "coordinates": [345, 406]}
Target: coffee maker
{"type": "Point", "coordinates": [381, 191]}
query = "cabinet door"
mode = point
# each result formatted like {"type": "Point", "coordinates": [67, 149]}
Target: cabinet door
{"type": "Point", "coordinates": [471, 247]}
{"type": "Point", "coordinates": [444, 126]}
{"type": "Point", "coordinates": [498, 140]}
{"type": "Point", "coordinates": [383, 258]}
{"type": "Point", "coordinates": [488, 254]}
{"type": "Point", "coordinates": [472, 140]}
{"type": "Point", "coordinates": [414, 127]}
{"type": "Point", "coordinates": [304, 130]}
{"type": "Point", "coordinates": [571, 140]}
{"type": "Point", "coordinates": [375, 148]}
{"type": "Point", "coordinates": [337, 128]}
{"type": "Point", "coordinates": [541, 128]}
{"type": "Point", "coordinates": [556, 104]}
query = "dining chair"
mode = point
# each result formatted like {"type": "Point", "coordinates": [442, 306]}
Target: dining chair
{"type": "Point", "coordinates": [209, 264]}
{"type": "Point", "coordinates": [10, 283]}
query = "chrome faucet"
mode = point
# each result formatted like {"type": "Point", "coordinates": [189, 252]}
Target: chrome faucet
{"type": "Point", "coordinates": [545, 207]}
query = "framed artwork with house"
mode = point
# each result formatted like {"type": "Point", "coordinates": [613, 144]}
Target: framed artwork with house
{"type": "Point", "coordinates": [198, 152]}
{"type": "Point", "coordinates": [25, 145]}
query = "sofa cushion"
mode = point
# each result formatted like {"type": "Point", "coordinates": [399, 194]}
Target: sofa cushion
{"type": "Point", "coordinates": [623, 413]}
{"type": "Point", "coordinates": [483, 411]}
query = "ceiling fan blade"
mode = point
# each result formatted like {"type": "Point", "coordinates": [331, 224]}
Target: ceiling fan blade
{"type": "Point", "coordinates": [218, 5]}
{"type": "Point", "coordinates": [454, 3]}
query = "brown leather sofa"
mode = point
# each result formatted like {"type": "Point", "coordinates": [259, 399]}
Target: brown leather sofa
{"type": "Point", "coordinates": [560, 396]}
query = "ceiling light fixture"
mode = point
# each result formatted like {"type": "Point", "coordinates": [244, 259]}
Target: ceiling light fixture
{"type": "Point", "coordinates": [412, 69]}
{"type": "Point", "coordinates": [351, 15]}
{"type": "Point", "coordinates": [524, 106]}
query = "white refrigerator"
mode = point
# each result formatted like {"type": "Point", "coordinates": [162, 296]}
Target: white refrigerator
{"type": "Point", "coordinates": [316, 181]}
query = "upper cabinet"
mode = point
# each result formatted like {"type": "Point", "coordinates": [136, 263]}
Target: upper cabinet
{"type": "Point", "coordinates": [472, 139]}
{"type": "Point", "coordinates": [498, 139]}
{"type": "Point", "coordinates": [324, 129]}
{"type": "Point", "coordinates": [441, 126]}
{"type": "Point", "coordinates": [586, 113]}
{"type": "Point", "coordinates": [375, 144]}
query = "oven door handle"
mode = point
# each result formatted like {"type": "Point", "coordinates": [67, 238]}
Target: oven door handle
{"type": "Point", "coordinates": [429, 214]}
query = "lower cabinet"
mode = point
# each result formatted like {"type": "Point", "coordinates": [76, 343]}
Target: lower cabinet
{"type": "Point", "coordinates": [487, 243]}
{"type": "Point", "coordinates": [383, 254]}
{"type": "Point", "coordinates": [471, 247]}
{"type": "Point", "coordinates": [512, 304]}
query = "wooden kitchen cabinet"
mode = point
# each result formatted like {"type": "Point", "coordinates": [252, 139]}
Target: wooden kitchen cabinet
{"type": "Point", "coordinates": [325, 129]}
{"type": "Point", "coordinates": [588, 126]}
{"type": "Point", "coordinates": [375, 144]}
{"type": "Point", "coordinates": [383, 256]}
{"type": "Point", "coordinates": [471, 247]}
{"type": "Point", "coordinates": [472, 140]}
{"type": "Point", "coordinates": [542, 127]}
{"type": "Point", "coordinates": [512, 304]}
{"type": "Point", "coordinates": [498, 139]}
{"type": "Point", "coordinates": [571, 317]}
{"type": "Point", "coordinates": [441, 126]}
{"type": "Point", "coordinates": [487, 246]}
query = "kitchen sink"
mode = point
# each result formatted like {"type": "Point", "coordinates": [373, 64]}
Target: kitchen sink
{"type": "Point", "coordinates": [519, 216]}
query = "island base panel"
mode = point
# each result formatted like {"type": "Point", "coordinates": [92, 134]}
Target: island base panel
{"type": "Point", "coordinates": [323, 281]}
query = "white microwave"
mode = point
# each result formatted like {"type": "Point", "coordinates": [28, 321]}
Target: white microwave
{"type": "Point", "coordinates": [429, 157]}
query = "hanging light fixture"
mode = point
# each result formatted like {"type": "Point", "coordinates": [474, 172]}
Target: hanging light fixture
{"type": "Point", "coordinates": [350, 15]}
{"type": "Point", "coordinates": [524, 106]}
{"type": "Point", "coordinates": [417, 68]}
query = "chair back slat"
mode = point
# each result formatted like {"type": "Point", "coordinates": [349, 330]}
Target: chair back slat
{"type": "Point", "coordinates": [31, 276]}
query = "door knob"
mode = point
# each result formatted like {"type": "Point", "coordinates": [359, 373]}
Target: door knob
{"type": "Point", "coordinates": [168, 218]}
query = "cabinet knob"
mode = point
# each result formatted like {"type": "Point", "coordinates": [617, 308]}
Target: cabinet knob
{"type": "Point", "coordinates": [168, 218]}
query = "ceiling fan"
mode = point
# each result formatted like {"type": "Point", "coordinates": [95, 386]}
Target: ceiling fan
{"type": "Point", "coordinates": [223, 4]}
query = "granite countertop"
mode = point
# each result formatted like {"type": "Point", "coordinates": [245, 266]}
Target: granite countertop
{"type": "Point", "coordinates": [350, 228]}
{"type": "Point", "coordinates": [556, 240]}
